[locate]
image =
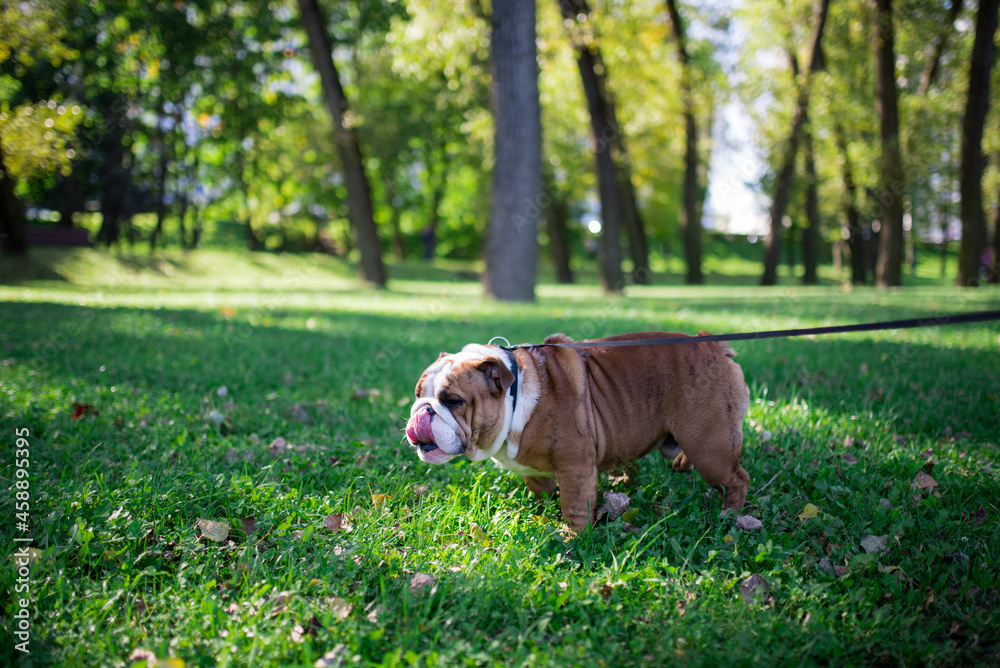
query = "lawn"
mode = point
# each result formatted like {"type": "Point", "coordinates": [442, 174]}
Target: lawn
{"type": "Point", "coordinates": [218, 477]}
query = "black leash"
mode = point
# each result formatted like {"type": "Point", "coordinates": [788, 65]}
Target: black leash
{"type": "Point", "coordinates": [911, 323]}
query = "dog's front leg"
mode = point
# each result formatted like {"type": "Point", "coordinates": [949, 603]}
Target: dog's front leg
{"type": "Point", "coordinates": [578, 496]}
{"type": "Point", "coordinates": [540, 487]}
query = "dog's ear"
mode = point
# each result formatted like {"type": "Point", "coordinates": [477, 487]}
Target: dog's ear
{"type": "Point", "coordinates": [443, 354]}
{"type": "Point", "coordinates": [498, 376]}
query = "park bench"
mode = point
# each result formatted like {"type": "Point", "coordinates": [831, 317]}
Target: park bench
{"type": "Point", "coordinates": [37, 235]}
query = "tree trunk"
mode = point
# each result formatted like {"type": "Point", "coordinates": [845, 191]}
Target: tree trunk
{"type": "Point", "coordinates": [783, 185]}
{"type": "Point", "coordinates": [889, 265]}
{"type": "Point", "coordinates": [929, 75]}
{"type": "Point", "coordinates": [852, 215]}
{"type": "Point", "coordinates": [70, 197]}
{"type": "Point", "coordinates": [512, 235]}
{"type": "Point", "coordinates": [115, 183]}
{"type": "Point", "coordinates": [690, 219]}
{"type": "Point", "coordinates": [359, 202]}
{"type": "Point", "coordinates": [12, 239]}
{"type": "Point", "coordinates": [556, 218]}
{"type": "Point", "coordinates": [995, 267]}
{"type": "Point", "coordinates": [970, 172]}
{"type": "Point", "coordinates": [810, 234]}
{"type": "Point", "coordinates": [605, 134]}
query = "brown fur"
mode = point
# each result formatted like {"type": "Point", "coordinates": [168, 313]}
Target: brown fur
{"type": "Point", "coordinates": [604, 408]}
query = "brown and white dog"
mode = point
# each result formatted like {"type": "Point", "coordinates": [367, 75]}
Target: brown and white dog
{"type": "Point", "coordinates": [558, 416]}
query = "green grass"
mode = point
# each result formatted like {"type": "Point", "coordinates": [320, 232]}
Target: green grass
{"type": "Point", "coordinates": [306, 355]}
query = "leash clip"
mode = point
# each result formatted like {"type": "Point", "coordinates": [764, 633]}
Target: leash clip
{"type": "Point", "coordinates": [501, 338]}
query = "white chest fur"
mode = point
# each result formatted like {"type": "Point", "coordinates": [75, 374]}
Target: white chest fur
{"type": "Point", "coordinates": [507, 462]}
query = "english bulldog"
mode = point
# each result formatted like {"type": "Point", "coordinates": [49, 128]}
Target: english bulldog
{"type": "Point", "coordinates": [558, 416]}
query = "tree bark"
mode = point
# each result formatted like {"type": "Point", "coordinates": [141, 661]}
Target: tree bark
{"type": "Point", "coordinates": [512, 235]}
{"type": "Point", "coordinates": [995, 268]}
{"type": "Point", "coordinates": [116, 185]}
{"type": "Point", "coordinates": [359, 200]}
{"type": "Point", "coordinates": [970, 171]}
{"type": "Point", "coordinates": [929, 75]}
{"type": "Point", "coordinates": [12, 239]}
{"type": "Point", "coordinates": [690, 220]}
{"type": "Point", "coordinates": [783, 185]}
{"type": "Point", "coordinates": [606, 133]}
{"type": "Point", "coordinates": [556, 217]}
{"type": "Point", "coordinates": [810, 234]}
{"type": "Point", "coordinates": [889, 265]}
{"type": "Point", "coordinates": [852, 215]}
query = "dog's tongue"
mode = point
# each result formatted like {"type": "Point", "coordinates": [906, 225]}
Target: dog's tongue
{"type": "Point", "coordinates": [419, 430]}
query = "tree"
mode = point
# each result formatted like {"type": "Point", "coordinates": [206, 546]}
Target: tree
{"type": "Point", "coordinates": [349, 149]}
{"type": "Point", "coordinates": [810, 234]}
{"type": "Point", "coordinates": [974, 236]}
{"type": "Point", "coordinates": [690, 218]}
{"type": "Point", "coordinates": [783, 184]}
{"type": "Point", "coordinates": [512, 235]}
{"type": "Point", "coordinates": [889, 264]}
{"type": "Point", "coordinates": [614, 180]}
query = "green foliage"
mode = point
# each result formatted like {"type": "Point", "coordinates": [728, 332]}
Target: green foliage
{"type": "Point", "coordinates": [305, 354]}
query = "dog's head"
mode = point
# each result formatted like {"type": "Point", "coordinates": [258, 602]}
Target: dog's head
{"type": "Point", "coordinates": [462, 405]}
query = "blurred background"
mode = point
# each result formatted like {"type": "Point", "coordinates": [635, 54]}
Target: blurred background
{"type": "Point", "coordinates": [202, 124]}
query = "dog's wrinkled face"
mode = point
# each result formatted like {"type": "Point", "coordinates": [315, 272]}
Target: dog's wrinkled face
{"type": "Point", "coordinates": [460, 406]}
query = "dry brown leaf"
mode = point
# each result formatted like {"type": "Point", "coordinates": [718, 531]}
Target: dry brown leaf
{"type": "Point", "coordinates": [923, 481]}
{"type": "Point", "coordinates": [278, 603]}
{"type": "Point", "coordinates": [335, 658]}
{"type": "Point", "coordinates": [379, 500]}
{"type": "Point", "coordinates": [419, 490]}
{"type": "Point", "coordinates": [614, 506]}
{"type": "Point", "coordinates": [421, 581]}
{"type": "Point", "coordinates": [748, 523]}
{"type": "Point", "coordinates": [249, 525]}
{"type": "Point", "coordinates": [279, 446]}
{"type": "Point", "coordinates": [140, 654]}
{"type": "Point", "coordinates": [333, 522]}
{"type": "Point", "coordinates": [373, 612]}
{"type": "Point", "coordinates": [756, 585]}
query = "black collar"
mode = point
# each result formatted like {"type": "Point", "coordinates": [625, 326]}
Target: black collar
{"type": "Point", "coordinates": [513, 386]}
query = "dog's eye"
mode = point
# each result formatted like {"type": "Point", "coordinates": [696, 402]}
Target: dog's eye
{"type": "Point", "coordinates": [452, 402]}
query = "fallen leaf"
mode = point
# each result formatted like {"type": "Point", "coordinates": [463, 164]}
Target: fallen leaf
{"type": "Point", "coordinates": [923, 481]}
{"type": "Point", "coordinates": [279, 446]}
{"type": "Point", "coordinates": [373, 613]}
{"type": "Point", "coordinates": [809, 512]}
{"type": "Point", "coordinates": [83, 410]}
{"type": "Point", "coordinates": [379, 500]}
{"type": "Point", "coordinates": [278, 603]}
{"type": "Point", "coordinates": [139, 654]}
{"type": "Point", "coordinates": [727, 539]}
{"type": "Point", "coordinates": [421, 581]}
{"type": "Point", "coordinates": [754, 584]}
{"type": "Point", "coordinates": [341, 607]}
{"type": "Point", "coordinates": [335, 658]}
{"type": "Point", "coordinates": [333, 522]}
{"type": "Point", "coordinates": [885, 503]}
{"type": "Point", "coordinates": [362, 460]}
{"type": "Point", "coordinates": [849, 459]}
{"type": "Point", "coordinates": [826, 566]}
{"type": "Point", "coordinates": [249, 525]}
{"type": "Point", "coordinates": [630, 515]}
{"type": "Point", "coordinates": [875, 543]}
{"type": "Point", "coordinates": [980, 516]}
{"type": "Point", "coordinates": [748, 523]}
{"type": "Point", "coordinates": [298, 633]}
{"type": "Point", "coordinates": [216, 532]}
{"type": "Point", "coordinates": [478, 535]}
{"type": "Point", "coordinates": [614, 506]}
{"type": "Point", "coordinates": [419, 490]}
{"type": "Point", "coordinates": [929, 600]}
